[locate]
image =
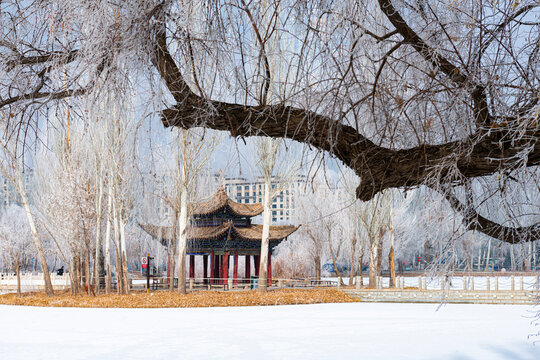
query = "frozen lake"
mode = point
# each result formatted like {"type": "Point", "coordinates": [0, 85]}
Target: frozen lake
{"type": "Point", "coordinates": [341, 331]}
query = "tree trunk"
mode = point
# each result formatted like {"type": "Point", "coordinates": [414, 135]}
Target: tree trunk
{"type": "Point", "coordinates": [488, 254]}
{"type": "Point", "coordinates": [37, 241]}
{"type": "Point", "coordinates": [87, 269]}
{"type": "Point", "coordinates": [361, 265]}
{"type": "Point", "coordinates": [73, 273]}
{"type": "Point", "coordinates": [391, 262]}
{"type": "Point", "coordinates": [97, 262]}
{"type": "Point", "coordinates": [172, 256]}
{"type": "Point", "coordinates": [77, 273]}
{"type": "Point", "coordinates": [373, 261]}
{"type": "Point", "coordinates": [317, 260]}
{"type": "Point", "coordinates": [379, 256]}
{"type": "Point", "coordinates": [182, 240]}
{"type": "Point", "coordinates": [125, 272]}
{"type": "Point", "coordinates": [172, 259]}
{"type": "Point", "coordinates": [108, 268]}
{"type": "Point", "coordinates": [18, 273]}
{"type": "Point", "coordinates": [333, 255]}
{"type": "Point", "coordinates": [267, 218]}
{"type": "Point", "coordinates": [353, 253]}
{"type": "Point", "coordinates": [118, 249]}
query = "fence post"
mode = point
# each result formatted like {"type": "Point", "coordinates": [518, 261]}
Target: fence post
{"type": "Point", "coordinates": [521, 283]}
{"type": "Point", "coordinates": [357, 282]}
{"type": "Point", "coordinates": [488, 285]}
{"type": "Point", "coordinates": [512, 283]}
{"type": "Point", "coordinates": [191, 283]}
{"type": "Point", "coordinates": [230, 283]}
{"type": "Point", "coordinates": [472, 283]}
{"type": "Point", "coordinates": [496, 283]}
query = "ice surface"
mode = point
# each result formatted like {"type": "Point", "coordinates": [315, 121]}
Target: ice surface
{"type": "Point", "coordinates": [326, 331]}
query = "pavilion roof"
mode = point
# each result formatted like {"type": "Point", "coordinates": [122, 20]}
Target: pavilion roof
{"type": "Point", "coordinates": [253, 233]}
{"type": "Point", "coordinates": [221, 200]}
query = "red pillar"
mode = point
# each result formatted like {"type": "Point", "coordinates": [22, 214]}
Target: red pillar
{"type": "Point", "coordinates": [205, 268]}
{"type": "Point", "coordinates": [269, 268]}
{"type": "Point", "coordinates": [247, 273]}
{"type": "Point", "coordinates": [235, 270]}
{"type": "Point", "coordinates": [217, 270]}
{"type": "Point", "coordinates": [257, 260]}
{"type": "Point", "coordinates": [225, 275]}
{"type": "Point", "coordinates": [212, 267]}
{"type": "Point", "coordinates": [191, 266]}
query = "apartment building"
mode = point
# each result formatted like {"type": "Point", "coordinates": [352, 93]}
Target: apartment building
{"type": "Point", "coordinates": [245, 191]}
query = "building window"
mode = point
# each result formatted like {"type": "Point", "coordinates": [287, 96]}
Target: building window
{"type": "Point", "coordinates": [281, 206]}
{"type": "Point", "coordinates": [274, 213]}
{"type": "Point", "coordinates": [281, 213]}
{"type": "Point", "coordinates": [274, 206]}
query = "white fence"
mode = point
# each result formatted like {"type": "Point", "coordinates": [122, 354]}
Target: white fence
{"type": "Point", "coordinates": [32, 282]}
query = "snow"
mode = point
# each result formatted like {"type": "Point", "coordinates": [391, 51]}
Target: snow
{"type": "Point", "coordinates": [357, 330]}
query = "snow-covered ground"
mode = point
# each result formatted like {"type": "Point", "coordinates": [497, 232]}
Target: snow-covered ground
{"type": "Point", "coordinates": [326, 331]}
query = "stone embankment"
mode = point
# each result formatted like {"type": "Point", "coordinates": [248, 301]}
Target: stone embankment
{"type": "Point", "coordinates": [512, 293]}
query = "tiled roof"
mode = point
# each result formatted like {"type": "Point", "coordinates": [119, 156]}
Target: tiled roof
{"type": "Point", "coordinates": [219, 201]}
{"type": "Point", "coordinates": [253, 233]}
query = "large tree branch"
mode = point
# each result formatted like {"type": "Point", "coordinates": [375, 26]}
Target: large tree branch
{"type": "Point", "coordinates": [476, 222]}
{"type": "Point", "coordinates": [64, 57]}
{"type": "Point", "coordinates": [379, 168]}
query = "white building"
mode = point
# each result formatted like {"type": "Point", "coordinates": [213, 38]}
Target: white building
{"type": "Point", "coordinates": [8, 193]}
{"type": "Point", "coordinates": [244, 191]}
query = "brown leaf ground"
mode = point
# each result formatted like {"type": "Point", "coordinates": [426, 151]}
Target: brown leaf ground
{"type": "Point", "coordinates": [164, 299]}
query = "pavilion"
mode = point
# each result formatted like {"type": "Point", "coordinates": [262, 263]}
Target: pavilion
{"type": "Point", "coordinates": [220, 228]}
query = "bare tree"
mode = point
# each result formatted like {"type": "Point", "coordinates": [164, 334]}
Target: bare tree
{"type": "Point", "coordinates": [11, 166]}
{"type": "Point", "coordinates": [15, 240]}
{"type": "Point", "coordinates": [404, 92]}
{"type": "Point", "coordinates": [193, 149]}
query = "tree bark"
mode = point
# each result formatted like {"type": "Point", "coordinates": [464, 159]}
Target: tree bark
{"type": "Point", "coordinates": [267, 218]}
{"type": "Point", "coordinates": [317, 261]}
{"type": "Point", "coordinates": [108, 268]}
{"type": "Point", "coordinates": [97, 262]}
{"type": "Point", "coordinates": [361, 265]}
{"type": "Point", "coordinates": [353, 253]}
{"type": "Point", "coordinates": [18, 273]}
{"type": "Point", "coordinates": [182, 240]}
{"type": "Point", "coordinates": [373, 254]}
{"type": "Point", "coordinates": [37, 241]}
{"type": "Point", "coordinates": [172, 256]}
{"type": "Point", "coordinates": [125, 272]}
{"type": "Point", "coordinates": [379, 255]}
{"type": "Point", "coordinates": [391, 260]}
